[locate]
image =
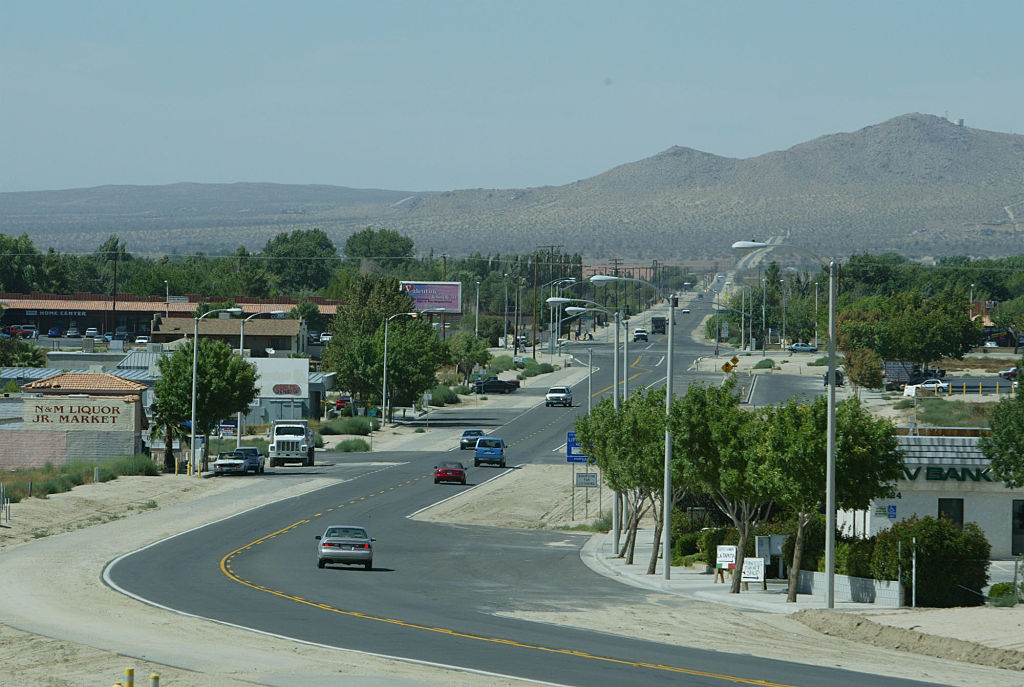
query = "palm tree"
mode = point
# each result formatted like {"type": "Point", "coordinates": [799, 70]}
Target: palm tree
{"type": "Point", "coordinates": [170, 429]}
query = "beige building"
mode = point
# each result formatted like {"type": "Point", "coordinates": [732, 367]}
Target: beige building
{"type": "Point", "coordinates": [265, 337]}
{"type": "Point", "coordinates": [71, 416]}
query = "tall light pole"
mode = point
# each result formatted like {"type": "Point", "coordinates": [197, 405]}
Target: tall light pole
{"type": "Point", "coordinates": [783, 289]}
{"type": "Point", "coordinates": [476, 325]}
{"type": "Point", "coordinates": [666, 533]}
{"type": "Point", "coordinates": [195, 367]}
{"type": "Point", "coordinates": [764, 317]}
{"type": "Point", "coordinates": [505, 338]}
{"type": "Point", "coordinates": [167, 299]}
{"type": "Point", "coordinates": [830, 456]}
{"type": "Point", "coordinates": [241, 354]}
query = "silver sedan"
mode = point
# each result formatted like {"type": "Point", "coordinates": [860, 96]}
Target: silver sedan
{"type": "Point", "coordinates": [346, 544]}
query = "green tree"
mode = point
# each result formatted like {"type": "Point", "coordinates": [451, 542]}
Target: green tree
{"type": "Point", "coordinates": [715, 439]}
{"type": "Point", "coordinates": [1009, 315]}
{"type": "Point", "coordinates": [302, 261]}
{"type": "Point", "coordinates": [793, 450]}
{"type": "Point", "coordinates": [225, 385]}
{"type": "Point", "coordinates": [864, 368]}
{"type": "Point", "coordinates": [911, 326]}
{"type": "Point", "coordinates": [385, 247]}
{"type": "Point", "coordinates": [467, 352]}
{"type": "Point", "coordinates": [20, 264]}
{"type": "Point", "coordinates": [1004, 446]}
{"type": "Point", "coordinates": [21, 353]}
{"type": "Point", "coordinates": [309, 312]}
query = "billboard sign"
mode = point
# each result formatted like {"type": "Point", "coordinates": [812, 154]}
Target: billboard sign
{"type": "Point", "coordinates": [282, 377]}
{"type": "Point", "coordinates": [439, 296]}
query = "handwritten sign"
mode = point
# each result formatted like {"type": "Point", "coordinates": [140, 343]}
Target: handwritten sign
{"type": "Point", "coordinates": [726, 557]}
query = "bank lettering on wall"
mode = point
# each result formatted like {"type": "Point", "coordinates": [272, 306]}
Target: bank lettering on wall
{"type": "Point", "coordinates": [78, 413]}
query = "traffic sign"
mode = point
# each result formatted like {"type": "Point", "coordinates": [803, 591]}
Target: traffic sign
{"type": "Point", "coordinates": [571, 448]}
{"type": "Point", "coordinates": [735, 360]}
{"type": "Point", "coordinates": [586, 479]}
{"type": "Point", "coordinates": [727, 367]}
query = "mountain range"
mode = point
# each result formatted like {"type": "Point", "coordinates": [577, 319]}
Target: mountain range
{"type": "Point", "coordinates": [917, 184]}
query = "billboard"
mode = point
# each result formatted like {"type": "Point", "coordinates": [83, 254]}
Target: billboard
{"type": "Point", "coordinates": [439, 296]}
{"type": "Point", "coordinates": [282, 377]}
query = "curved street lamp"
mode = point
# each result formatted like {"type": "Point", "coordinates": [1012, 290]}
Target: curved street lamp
{"type": "Point", "coordinates": [830, 461]}
{"type": "Point", "coordinates": [241, 353]}
{"type": "Point", "coordinates": [194, 463]}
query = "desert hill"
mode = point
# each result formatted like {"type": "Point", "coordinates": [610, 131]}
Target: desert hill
{"type": "Point", "coordinates": [916, 184]}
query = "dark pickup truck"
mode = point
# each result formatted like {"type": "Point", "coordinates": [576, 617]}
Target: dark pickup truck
{"type": "Point", "coordinates": [494, 385]}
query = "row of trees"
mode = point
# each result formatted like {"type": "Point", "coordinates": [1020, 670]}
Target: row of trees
{"type": "Point", "coordinates": [744, 461]}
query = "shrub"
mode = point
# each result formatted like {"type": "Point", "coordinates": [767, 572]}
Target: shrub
{"type": "Point", "coordinates": [353, 445]}
{"type": "Point", "coordinates": [1003, 594]}
{"type": "Point", "coordinates": [318, 441]}
{"type": "Point", "coordinates": [686, 544]}
{"type": "Point", "coordinates": [819, 362]}
{"type": "Point", "coordinates": [500, 363]}
{"type": "Point", "coordinates": [441, 395]}
{"type": "Point", "coordinates": [952, 564]}
{"type": "Point", "coordinates": [359, 425]}
{"type": "Point", "coordinates": [903, 404]}
{"type": "Point", "coordinates": [708, 541]}
{"type": "Point", "coordinates": [853, 557]}
{"type": "Point", "coordinates": [765, 364]}
{"type": "Point", "coordinates": [813, 557]}
{"type": "Point", "coordinates": [461, 390]}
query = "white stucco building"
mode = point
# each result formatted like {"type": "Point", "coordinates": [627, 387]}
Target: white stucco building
{"type": "Point", "coordinates": [947, 476]}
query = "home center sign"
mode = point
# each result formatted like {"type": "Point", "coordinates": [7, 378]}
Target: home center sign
{"type": "Point", "coordinates": [83, 413]}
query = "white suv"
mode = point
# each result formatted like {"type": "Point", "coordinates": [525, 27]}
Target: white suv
{"type": "Point", "coordinates": [639, 334]}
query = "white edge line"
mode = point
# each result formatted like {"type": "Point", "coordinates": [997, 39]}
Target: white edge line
{"type": "Point", "coordinates": [445, 666]}
{"type": "Point", "coordinates": [464, 491]}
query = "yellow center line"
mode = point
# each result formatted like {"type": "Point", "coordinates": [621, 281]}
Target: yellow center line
{"type": "Point", "coordinates": [226, 568]}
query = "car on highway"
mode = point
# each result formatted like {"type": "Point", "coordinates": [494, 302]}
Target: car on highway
{"type": "Point", "coordinates": [935, 386]}
{"type": "Point", "coordinates": [450, 472]}
{"type": "Point", "coordinates": [237, 463]}
{"type": "Point", "coordinates": [469, 437]}
{"type": "Point", "coordinates": [802, 348]}
{"type": "Point", "coordinates": [347, 544]}
{"type": "Point", "coordinates": [685, 311]}
{"type": "Point", "coordinates": [490, 450]}
{"type": "Point", "coordinates": [839, 378]}
{"type": "Point", "coordinates": [639, 334]}
{"type": "Point", "coordinates": [1009, 373]}
{"type": "Point", "coordinates": [558, 396]}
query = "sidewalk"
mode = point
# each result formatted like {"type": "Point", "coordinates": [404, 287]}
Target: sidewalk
{"type": "Point", "coordinates": [599, 555]}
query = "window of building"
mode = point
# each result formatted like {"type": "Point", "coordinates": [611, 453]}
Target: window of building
{"type": "Point", "coordinates": [952, 510]}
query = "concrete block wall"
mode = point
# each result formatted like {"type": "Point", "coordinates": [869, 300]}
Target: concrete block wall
{"type": "Point", "coordinates": [23, 449]}
{"type": "Point", "coordinates": [885, 593]}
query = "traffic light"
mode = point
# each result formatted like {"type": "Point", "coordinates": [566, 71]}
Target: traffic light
{"type": "Point", "coordinates": [675, 301]}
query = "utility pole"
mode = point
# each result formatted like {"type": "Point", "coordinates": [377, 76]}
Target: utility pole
{"type": "Point", "coordinates": [534, 306]}
{"type": "Point", "coordinates": [444, 277]}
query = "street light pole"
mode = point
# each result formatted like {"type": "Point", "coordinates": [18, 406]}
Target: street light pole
{"type": "Point", "coordinates": [384, 385]}
{"type": "Point", "coordinates": [241, 354]}
{"type": "Point", "coordinates": [504, 340]}
{"type": "Point", "coordinates": [830, 452]}
{"type": "Point", "coordinates": [764, 317]}
{"type": "Point", "coordinates": [476, 325]}
{"type": "Point", "coordinates": [167, 299]}
{"type": "Point", "coordinates": [193, 463]}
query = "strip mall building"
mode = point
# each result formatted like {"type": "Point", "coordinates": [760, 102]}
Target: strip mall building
{"type": "Point", "coordinates": [947, 476]}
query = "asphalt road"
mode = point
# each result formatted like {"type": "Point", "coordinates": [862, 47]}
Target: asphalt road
{"type": "Point", "coordinates": [435, 588]}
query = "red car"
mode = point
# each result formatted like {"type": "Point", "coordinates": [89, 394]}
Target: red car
{"type": "Point", "coordinates": [449, 472]}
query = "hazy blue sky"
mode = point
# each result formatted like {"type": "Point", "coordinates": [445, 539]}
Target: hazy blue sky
{"type": "Point", "coordinates": [435, 95]}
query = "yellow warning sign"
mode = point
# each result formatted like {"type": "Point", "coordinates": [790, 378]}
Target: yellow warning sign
{"type": "Point", "coordinates": [727, 367]}
{"type": "Point", "coordinates": [735, 361]}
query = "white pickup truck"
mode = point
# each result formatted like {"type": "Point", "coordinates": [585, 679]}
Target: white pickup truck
{"type": "Point", "coordinates": [558, 396]}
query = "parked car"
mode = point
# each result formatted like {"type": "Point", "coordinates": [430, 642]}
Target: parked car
{"type": "Point", "coordinates": [142, 339]}
{"type": "Point", "coordinates": [936, 386]}
{"type": "Point", "coordinates": [92, 333]}
{"type": "Point", "coordinates": [254, 457]}
{"type": "Point", "coordinates": [325, 337]}
{"type": "Point", "coordinates": [450, 472]}
{"type": "Point", "coordinates": [237, 462]}
{"type": "Point", "coordinates": [839, 378]}
{"type": "Point", "coordinates": [469, 437]}
{"type": "Point", "coordinates": [313, 336]}
{"type": "Point", "coordinates": [1009, 373]}
{"type": "Point", "coordinates": [991, 344]}
{"type": "Point", "coordinates": [558, 396]}
{"type": "Point", "coordinates": [490, 450]}
{"type": "Point", "coordinates": [803, 348]}
{"type": "Point", "coordinates": [54, 333]}
{"type": "Point", "coordinates": [493, 385]}
{"type": "Point", "coordinates": [345, 544]}
{"type": "Point", "coordinates": [73, 333]}
{"type": "Point", "coordinates": [639, 334]}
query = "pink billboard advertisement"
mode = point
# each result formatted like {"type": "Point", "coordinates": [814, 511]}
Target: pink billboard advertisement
{"type": "Point", "coordinates": [439, 296]}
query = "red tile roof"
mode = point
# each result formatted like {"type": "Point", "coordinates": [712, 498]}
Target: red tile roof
{"type": "Point", "coordinates": [85, 382]}
{"type": "Point", "coordinates": [151, 304]}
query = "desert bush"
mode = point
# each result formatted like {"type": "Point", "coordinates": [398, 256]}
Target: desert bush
{"type": "Point", "coordinates": [765, 364]}
{"type": "Point", "coordinates": [853, 557]}
{"type": "Point", "coordinates": [952, 564]}
{"type": "Point", "coordinates": [353, 445]}
{"type": "Point", "coordinates": [442, 395]}
{"type": "Point", "coordinates": [359, 425]}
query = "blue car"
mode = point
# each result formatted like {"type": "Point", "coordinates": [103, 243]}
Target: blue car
{"type": "Point", "coordinates": [54, 333]}
{"type": "Point", "coordinates": [490, 450]}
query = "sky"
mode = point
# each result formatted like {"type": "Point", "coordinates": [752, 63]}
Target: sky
{"type": "Point", "coordinates": [433, 95]}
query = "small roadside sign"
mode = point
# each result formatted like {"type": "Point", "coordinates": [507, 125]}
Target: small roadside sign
{"type": "Point", "coordinates": [727, 367]}
{"type": "Point", "coordinates": [586, 479]}
{"type": "Point", "coordinates": [725, 557]}
{"type": "Point", "coordinates": [753, 570]}
{"type": "Point", "coordinates": [734, 360]}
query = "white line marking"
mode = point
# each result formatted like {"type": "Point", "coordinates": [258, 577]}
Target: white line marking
{"type": "Point", "coordinates": [464, 491]}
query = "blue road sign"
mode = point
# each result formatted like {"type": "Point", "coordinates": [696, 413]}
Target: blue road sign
{"type": "Point", "coordinates": [571, 448]}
